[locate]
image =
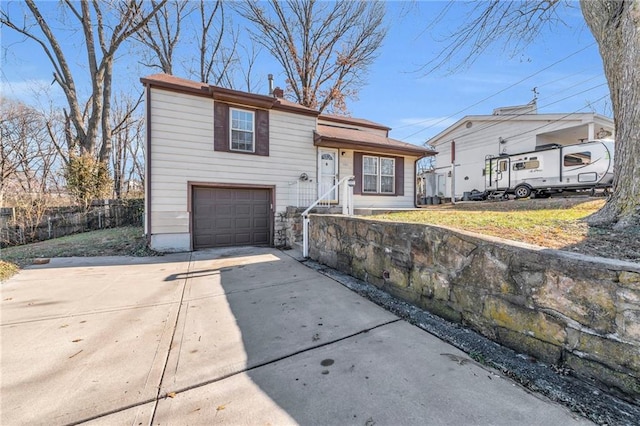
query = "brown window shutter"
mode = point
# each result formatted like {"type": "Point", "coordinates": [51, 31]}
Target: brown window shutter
{"type": "Point", "coordinates": [262, 132]}
{"type": "Point", "coordinates": [221, 127]}
{"type": "Point", "coordinates": [399, 175]}
{"type": "Point", "coordinates": [357, 172]}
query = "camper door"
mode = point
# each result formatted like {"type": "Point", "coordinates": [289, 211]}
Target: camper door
{"type": "Point", "coordinates": [497, 173]}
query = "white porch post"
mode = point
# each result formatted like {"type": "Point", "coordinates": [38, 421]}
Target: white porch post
{"type": "Point", "coordinates": [453, 183]}
{"type": "Point", "coordinates": [305, 236]}
{"type": "Point", "coordinates": [345, 198]}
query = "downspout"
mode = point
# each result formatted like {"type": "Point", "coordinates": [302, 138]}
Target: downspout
{"type": "Point", "coordinates": [415, 174]}
{"type": "Point", "coordinates": [415, 179]}
{"type": "Point", "coordinates": [147, 180]}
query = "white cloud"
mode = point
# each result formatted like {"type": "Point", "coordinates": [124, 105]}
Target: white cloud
{"type": "Point", "coordinates": [33, 91]}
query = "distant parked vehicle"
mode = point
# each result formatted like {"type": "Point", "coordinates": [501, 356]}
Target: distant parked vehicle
{"type": "Point", "coordinates": [583, 166]}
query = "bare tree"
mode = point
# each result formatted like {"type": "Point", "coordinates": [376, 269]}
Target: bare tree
{"type": "Point", "coordinates": [614, 25]}
{"type": "Point", "coordinates": [27, 160]}
{"type": "Point", "coordinates": [518, 24]}
{"type": "Point", "coordinates": [162, 33]}
{"type": "Point", "coordinates": [325, 48]}
{"type": "Point", "coordinates": [104, 26]}
{"type": "Point", "coordinates": [208, 30]}
{"type": "Point", "coordinates": [128, 138]}
{"type": "Point", "coordinates": [28, 164]}
{"type": "Point", "coordinates": [210, 46]}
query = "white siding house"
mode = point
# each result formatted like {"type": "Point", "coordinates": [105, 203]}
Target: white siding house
{"type": "Point", "coordinates": [223, 165]}
{"type": "Point", "coordinates": [463, 147]}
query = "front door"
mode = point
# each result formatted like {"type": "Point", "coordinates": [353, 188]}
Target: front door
{"type": "Point", "coordinates": [328, 173]}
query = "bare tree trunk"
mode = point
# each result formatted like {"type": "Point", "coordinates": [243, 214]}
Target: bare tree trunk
{"type": "Point", "coordinates": [102, 39]}
{"type": "Point", "coordinates": [616, 27]}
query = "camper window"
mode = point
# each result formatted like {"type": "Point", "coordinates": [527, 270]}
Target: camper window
{"type": "Point", "coordinates": [577, 159]}
{"type": "Point", "coordinates": [524, 165]}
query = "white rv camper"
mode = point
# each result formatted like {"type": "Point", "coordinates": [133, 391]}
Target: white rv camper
{"type": "Point", "coordinates": [583, 166]}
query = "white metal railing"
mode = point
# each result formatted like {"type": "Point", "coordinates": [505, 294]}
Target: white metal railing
{"type": "Point", "coordinates": [304, 193]}
{"type": "Point", "coordinates": [347, 207]}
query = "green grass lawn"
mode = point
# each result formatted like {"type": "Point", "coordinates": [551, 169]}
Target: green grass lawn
{"type": "Point", "coordinates": [549, 223]}
{"type": "Point", "coordinates": [125, 241]}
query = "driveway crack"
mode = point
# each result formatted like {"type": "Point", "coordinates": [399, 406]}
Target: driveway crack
{"type": "Point", "coordinates": [173, 335]}
{"type": "Point", "coordinates": [278, 359]}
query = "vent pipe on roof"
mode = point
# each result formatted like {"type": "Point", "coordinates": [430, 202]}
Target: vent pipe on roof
{"type": "Point", "coordinates": [270, 77]}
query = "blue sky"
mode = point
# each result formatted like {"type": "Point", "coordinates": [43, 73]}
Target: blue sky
{"type": "Point", "coordinates": [415, 105]}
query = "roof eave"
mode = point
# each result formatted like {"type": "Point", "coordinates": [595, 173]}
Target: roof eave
{"type": "Point", "coordinates": [290, 108]}
{"type": "Point", "coordinates": [332, 142]}
{"type": "Point", "coordinates": [176, 87]}
{"type": "Point", "coordinates": [353, 122]}
{"type": "Point", "coordinates": [222, 94]}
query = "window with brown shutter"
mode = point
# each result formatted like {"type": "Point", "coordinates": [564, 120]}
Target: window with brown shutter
{"type": "Point", "coordinates": [240, 130]}
{"type": "Point", "coordinates": [378, 175]}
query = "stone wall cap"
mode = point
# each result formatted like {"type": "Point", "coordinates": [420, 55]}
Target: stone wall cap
{"type": "Point", "coordinates": [613, 264]}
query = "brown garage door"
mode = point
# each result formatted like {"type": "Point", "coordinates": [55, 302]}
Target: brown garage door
{"type": "Point", "coordinates": [225, 217]}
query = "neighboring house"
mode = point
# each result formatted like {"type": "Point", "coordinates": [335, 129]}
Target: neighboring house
{"type": "Point", "coordinates": [510, 130]}
{"type": "Point", "coordinates": [223, 165]}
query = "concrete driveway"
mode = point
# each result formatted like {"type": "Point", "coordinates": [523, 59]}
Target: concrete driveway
{"type": "Point", "coordinates": [231, 336]}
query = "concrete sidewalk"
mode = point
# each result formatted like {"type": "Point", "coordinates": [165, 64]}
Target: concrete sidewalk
{"type": "Point", "coordinates": [231, 336]}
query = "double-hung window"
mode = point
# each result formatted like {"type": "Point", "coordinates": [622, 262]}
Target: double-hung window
{"type": "Point", "coordinates": [242, 130]}
{"type": "Point", "coordinates": [378, 175]}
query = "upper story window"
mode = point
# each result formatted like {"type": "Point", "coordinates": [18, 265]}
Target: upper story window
{"type": "Point", "coordinates": [242, 130]}
{"type": "Point", "coordinates": [378, 175]}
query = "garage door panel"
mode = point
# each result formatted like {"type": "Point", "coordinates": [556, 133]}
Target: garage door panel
{"type": "Point", "coordinates": [243, 238]}
{"type": "Point", "coordinates": [223, 210]}
{"type": "Point", "coordinates": [244, 195]}
{"type": "Point", "coordinates": [260, 195]}
{"type": "Point", "coordinates": [261, 238]}
{"type": "Point", "coordinates": [231, 216]}
{"type": "Point", "coordinates": [243, 210]}
{"type": "Point", "coordinates": [207, 224]}
{"type": "Point", "coordinates": [203, 240]}
{"type": "Point", "coordinates": [243, 223]}
{"type": "Point", "coordinates": [222, 240]}
{"type": "Point", "coordinates": [224, 224]}
{"type": "Point", "coordinates": [260, 223]}
{"type": "Point", "coordinates": [222, 195]}
{"type": "Point", "coordinates": [260, 209]}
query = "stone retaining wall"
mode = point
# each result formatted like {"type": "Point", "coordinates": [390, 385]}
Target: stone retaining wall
{"type": "Point", "coordinates": [565, 309]}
